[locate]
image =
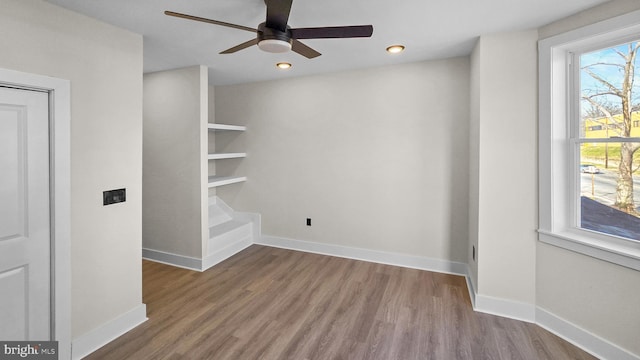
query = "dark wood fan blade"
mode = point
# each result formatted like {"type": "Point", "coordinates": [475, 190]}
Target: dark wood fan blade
{"type": "Point", "coordinates": [333, 32]}
{"type": "Point", "coordinates": [278, 14]}
{"type": "Point", "coordinates": [303, 49]}
{"type": "Point", "coordinates": [244, 45]}
{"type": "Point", "coordinates": [209, 21]}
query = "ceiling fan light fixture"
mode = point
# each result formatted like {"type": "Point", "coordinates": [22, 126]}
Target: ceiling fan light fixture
{"type": "Point", "coordinates": [276, 36]}
{"type": "Point", "coordinates": [283, 65]}
{"type": "Point", "coordinates": [395, 49]}
{"type": "Point", "coordinates": [274, 45]}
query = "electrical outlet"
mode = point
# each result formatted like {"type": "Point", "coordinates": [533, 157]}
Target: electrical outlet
{"type": "Point", "coordinates": [308, 221]}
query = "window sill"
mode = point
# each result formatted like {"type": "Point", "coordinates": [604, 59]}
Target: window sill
{"type": "Point", "coordinates": [623, 253]}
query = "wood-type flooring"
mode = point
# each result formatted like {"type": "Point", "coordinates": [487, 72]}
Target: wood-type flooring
{"type": "Point", "coordinates": [268, 303]}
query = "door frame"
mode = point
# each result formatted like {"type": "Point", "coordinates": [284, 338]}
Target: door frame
{"type": "Point", "coordinates": [59, 91]}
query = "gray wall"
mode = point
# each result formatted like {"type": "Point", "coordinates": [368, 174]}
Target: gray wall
{"type": "Point", "coordinates": [174, 163]}
{"type": "Point", "coordinates": [377, 158]}
{"type": "Point", "coordinates": [104, 65]}
{"type": "Point", "coordinates": [474, 161]}
{"type": "Point", "coordinates": [504, 157]}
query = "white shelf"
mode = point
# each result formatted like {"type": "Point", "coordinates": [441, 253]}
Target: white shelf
{"type": "Point", "coordinates": [220, 156]}
{"type": "Point", "coordinates": [215, 181]}
{"type": "Point", "coordinates": [226, 127]}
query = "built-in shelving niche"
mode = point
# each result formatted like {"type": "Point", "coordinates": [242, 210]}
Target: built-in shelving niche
{"type": "Point", "coordinates": [218, 180]}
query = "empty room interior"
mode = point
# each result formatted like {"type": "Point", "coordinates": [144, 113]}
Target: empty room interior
{"type": "Point", "coordinates": [277, 179]}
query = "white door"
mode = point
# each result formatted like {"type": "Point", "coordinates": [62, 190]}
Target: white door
{"type": "Point", "coordinates": [24, 215]}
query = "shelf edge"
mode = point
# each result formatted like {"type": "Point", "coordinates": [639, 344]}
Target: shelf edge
{"type": "Point", "coordinates": [212, 126]}
{"type": "Point", "coordinates": [220, 156]}
{"type": "Point", "coordinates": [215, 181]}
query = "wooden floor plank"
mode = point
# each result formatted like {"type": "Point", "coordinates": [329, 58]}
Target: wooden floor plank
{"type": "Point", "coordinates": [267, 303]}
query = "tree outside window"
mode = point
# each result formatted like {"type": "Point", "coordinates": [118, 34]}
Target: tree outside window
{"type": "Point", "coordinates": [609, 141]}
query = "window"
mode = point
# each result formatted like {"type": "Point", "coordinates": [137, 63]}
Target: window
{"type": "Point", "coordinates": [589, 162]}
{"type": "Point", "coordinates": [607, 94]}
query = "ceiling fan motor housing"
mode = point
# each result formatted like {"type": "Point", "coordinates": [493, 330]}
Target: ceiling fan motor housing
{"type": "Point", "coordinates": [273, 40]}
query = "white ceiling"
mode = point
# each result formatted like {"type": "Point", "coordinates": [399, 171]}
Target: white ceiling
{"type": "Point", "coordinates": [430, 29]}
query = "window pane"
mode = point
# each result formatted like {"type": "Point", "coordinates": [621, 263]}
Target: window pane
{"type": "Point", "coordinates": [610, 92]}
{"type": "Point", "coordinates": [609, 171]}
{"type": "Point", "coordinates": [610, 188]}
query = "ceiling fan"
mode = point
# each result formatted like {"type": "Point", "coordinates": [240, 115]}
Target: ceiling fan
{"type": "Point", "coordinates": [275, 36]}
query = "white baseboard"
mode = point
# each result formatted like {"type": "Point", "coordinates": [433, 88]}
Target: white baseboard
{"type": "Point", "coordinates": [380, 257]}
{"type": "Point", "coordinates": [471, 287]}
{"type": "Point", "coordinates": [225, 253]}
{"type": "Point", "coordinates": [572, 333]}
{"type": "Point", "coordinates": [191, 263]}
{"type": "Point", "coordinates": [506, 308]}
{"type": "Point", "coordinates": [497, 306]}
{"type": "Point", "coordinates": [581, 338]}
{"type": "Point", "coordinates": [107, 332]}
{"type": "Point", "coordinates": [185, 262]}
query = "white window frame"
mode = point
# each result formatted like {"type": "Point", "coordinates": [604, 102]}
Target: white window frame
{"type": "Point", "coordinates": [558, 160]}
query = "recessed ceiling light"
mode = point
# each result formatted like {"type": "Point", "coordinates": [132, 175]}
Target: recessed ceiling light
{"type": "Point", "coordinates": [394, 49]}
{"type": "Point", "coordinates": [283, 65]}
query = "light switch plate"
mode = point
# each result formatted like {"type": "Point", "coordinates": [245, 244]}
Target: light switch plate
{"type": "Point", "coordinates": [114, 196]}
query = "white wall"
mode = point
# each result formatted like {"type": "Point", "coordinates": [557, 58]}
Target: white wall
{"type": "Point", "coordinates": [598, 296]}
{"type": "Point", "coordinates": [175, 167]}
{"type": "Point", "coordinates": [507, 158]}
{"type": "Point", "coordinates": [104, 65]}
{"type": "Point", "coordinates": [474, 161]}
{"type": "Point", "coordinates": [377, 158]}
{"type": "Point", "coordinates": [595, 295]}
